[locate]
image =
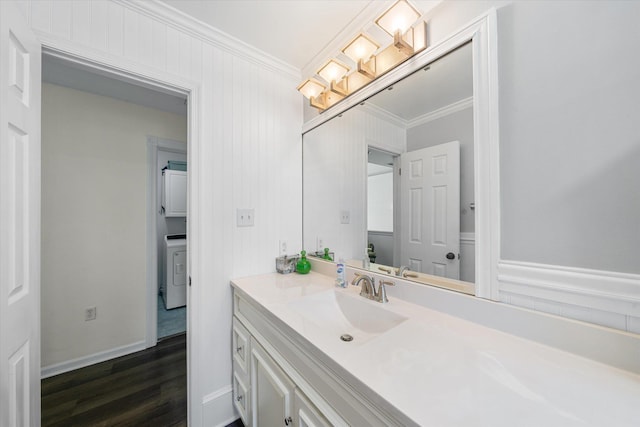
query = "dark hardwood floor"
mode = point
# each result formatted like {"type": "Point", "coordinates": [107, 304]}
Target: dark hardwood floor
{"type": "Point", "coordinates": [147, 388]}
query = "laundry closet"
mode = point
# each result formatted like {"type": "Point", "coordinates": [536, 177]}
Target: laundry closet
{"type": "Point", "coordinates": [171, 239]}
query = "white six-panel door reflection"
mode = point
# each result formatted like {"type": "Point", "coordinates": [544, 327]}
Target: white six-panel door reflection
{"type": "Point", "coordinates": [430, 210]}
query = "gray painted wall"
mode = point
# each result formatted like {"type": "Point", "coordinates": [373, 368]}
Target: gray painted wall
{"type": "Point", "coordinates": [570, 133]}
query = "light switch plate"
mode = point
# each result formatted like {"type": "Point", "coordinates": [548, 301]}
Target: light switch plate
{"type": "Point", "coordinates": [244, 217]}
{"type": "Point", "coordinates": [345, 217]}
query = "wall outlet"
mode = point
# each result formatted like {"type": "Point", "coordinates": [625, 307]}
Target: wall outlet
{"type": "Point", "coordinates": [345, 217]}
{"type": "Point", "coordinates": [282, 248]}
{"type": "Point", "coordinates": [319, 244]}
{"type": "Point", "coordinates": [244, 217]}
{"type": "Point", "coordinates": [89, 314]}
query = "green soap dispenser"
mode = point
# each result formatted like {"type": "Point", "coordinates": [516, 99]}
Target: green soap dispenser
{"type": "Point", "coordinates": [326, 255]}
{"type": "Point", "coordinates": [303, 266]}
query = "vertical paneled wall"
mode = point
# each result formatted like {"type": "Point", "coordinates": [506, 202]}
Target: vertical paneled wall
{"type": "Point", "coordinates": [249, 156]}
{"type": "Point", "coordinates": [335, 174]}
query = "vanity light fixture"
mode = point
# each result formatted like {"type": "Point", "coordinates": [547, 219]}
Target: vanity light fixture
{"type": "Point", "coordinates": [409, 33]}
{"type": "Point", "coordinates": [334, 72]}
{"type": "Point", "coordinates": [311, 88]}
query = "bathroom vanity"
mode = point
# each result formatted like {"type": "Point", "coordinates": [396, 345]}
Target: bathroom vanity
{"type": "Point", "coordinates": [414, 363]}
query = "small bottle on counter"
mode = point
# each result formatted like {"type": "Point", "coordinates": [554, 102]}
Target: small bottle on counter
{"type": "Point", "coordinates": [326, 255]}
{"type": "Point", "coordinates": [341, 279]}
{"type": "Point", "coordinates": [366, 263]}
{"type": "Point", "coordinates": [303, 266]}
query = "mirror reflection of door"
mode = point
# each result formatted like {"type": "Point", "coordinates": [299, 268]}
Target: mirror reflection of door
{"type": "Point", "coordinates": [429, 211]}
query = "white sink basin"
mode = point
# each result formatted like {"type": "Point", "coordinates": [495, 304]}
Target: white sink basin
{"type": "Point", "coordinates": [337, 313]}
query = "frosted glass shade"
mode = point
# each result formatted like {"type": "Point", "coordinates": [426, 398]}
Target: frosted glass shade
{"type": "Point", "coordinates": [362, 47]}
{"type": "Point", "coordinates": [400, 17]}
{"type": "Point", "coordinates": [333, 70]}
{"type": "Point", "coordinates": [311, 88]}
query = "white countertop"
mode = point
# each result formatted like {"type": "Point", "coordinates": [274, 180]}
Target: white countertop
{"type": "Point", "coordinates": [440, 370]}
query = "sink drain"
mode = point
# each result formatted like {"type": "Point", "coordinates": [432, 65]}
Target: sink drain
{"type": "Point", "coordinates": [346, 337]}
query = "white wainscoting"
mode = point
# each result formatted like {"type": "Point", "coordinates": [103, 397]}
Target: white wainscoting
{"type": "Point", "coordinates": [218, 407]}
{"type": "Point", "coordinates": [602, 297]}
{"type": "Point", "coordinates": [468, 256]}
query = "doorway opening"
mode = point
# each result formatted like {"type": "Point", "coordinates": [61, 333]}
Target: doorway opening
{"type": "Point", "coordinates": [99, 272]}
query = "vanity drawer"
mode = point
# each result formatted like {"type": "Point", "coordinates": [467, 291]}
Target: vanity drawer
{"type": "Point", "coordinates": [241, 350]}
{"type": "Point", "coordinates": [241, 397]}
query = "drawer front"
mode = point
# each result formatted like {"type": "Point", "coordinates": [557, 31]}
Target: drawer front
{"type": "Point", "coordinates": [241, 350]}
{"type": "Point", "coordinates": [241, 398]}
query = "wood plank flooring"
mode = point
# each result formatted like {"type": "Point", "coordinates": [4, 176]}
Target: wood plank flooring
{"type": "Point", "coordinates": [147, 388]}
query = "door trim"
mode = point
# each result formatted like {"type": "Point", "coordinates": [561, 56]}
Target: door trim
{"type": "Point", "coordinates": [141, 75]}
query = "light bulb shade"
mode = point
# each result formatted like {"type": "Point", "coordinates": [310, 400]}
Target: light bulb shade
{"type": "Point", "coordinates": [360, 48]}
{"type": "Point", "coordinates": [333, 71]}
{"type": "Point", "coordinates": [311, 88]}
{"type": "Point", "coordinates": [399, 17]}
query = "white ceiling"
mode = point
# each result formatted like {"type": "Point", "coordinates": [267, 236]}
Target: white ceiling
{"type": "Point", "coordinates": [294, 31]}
{"type": "Point", "coordinates": [302, 33]}
{"type": "Point", "coordinates": [448, 80]}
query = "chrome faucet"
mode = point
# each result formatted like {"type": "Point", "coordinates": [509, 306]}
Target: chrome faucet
{"type": "Point", "coordinates": [401, 270]}
{"type": "Point", "coordinates": [369, 288]}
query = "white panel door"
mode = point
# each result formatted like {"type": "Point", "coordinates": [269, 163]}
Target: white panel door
{"type": "Point", "coordinates": [19, 220]}
{"type": "Point", "coordinates": [430, 210]}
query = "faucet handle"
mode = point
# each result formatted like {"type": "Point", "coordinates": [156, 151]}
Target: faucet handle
{"type": "Point", "coordinates": [382, 291]}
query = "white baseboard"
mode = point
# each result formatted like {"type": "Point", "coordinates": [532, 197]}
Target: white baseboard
{"type": "Point", "coordinates": [218, 408]}
{"type": "Point", "coordinates": [92, 359]}
{"type": "Point", "coordinates": [603, 297]}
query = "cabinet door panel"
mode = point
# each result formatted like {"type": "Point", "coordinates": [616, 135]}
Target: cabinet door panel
{"type": "Point", "coordinates": [271, 390]}
{"type": "Point", "coordinates": [305, 413]}
{"type": "Point", "coordinates": [175, 193]}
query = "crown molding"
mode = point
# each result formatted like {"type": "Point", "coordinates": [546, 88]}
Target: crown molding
{"type": "Point", "coordinates": [380, 113]}
{"type": "Point", "coordinates": [162, 12]}
{"type": "Point", "coordinates": [463, 104]}
{"type": "Point", "coordinates": [383, 114]}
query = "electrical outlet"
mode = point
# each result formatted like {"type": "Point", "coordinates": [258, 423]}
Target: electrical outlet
{"type": "Point", "coordinates": [345, 217]}
{"type": "Point", "coordinates": [283, 247]}
{"type": "Point", "coordinates": [319, 244]}
{"type": "Point", "coordinates": [244, 217]}
{"type": "Point", "coordinates": [89, 314]}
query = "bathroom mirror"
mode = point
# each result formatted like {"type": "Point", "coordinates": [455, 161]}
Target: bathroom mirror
{"type": "Point", "coordinates": [395, 174]}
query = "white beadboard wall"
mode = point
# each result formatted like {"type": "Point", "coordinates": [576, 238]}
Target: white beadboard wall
{"type": "Point", "coordinates": [250, 152]}
{"type": "Point", "coordinates": [341, 145]}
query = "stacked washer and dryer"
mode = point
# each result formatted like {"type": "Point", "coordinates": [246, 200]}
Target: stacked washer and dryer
{"type": "Point", "coordinates": [174, 290]}
{"type": "Point", "coordinates": [174, 208]}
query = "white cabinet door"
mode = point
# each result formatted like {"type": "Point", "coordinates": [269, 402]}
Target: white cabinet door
{"type": "Point", "coordinates": [174, 197]}
{"type": "Point", "coordinates": [305, 414]}
{"type": "Point", "coordinates": [271, 391]}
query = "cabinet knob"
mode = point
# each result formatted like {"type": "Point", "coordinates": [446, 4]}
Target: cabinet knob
{"type": "Point", "coordinates": [451, 255]}
{"type": "Point", "coordinates": [239, 397]}
{"type": "Point", "coordinates": [288, 421]}
{"type": "Point", "coordinates": [239, 349]}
